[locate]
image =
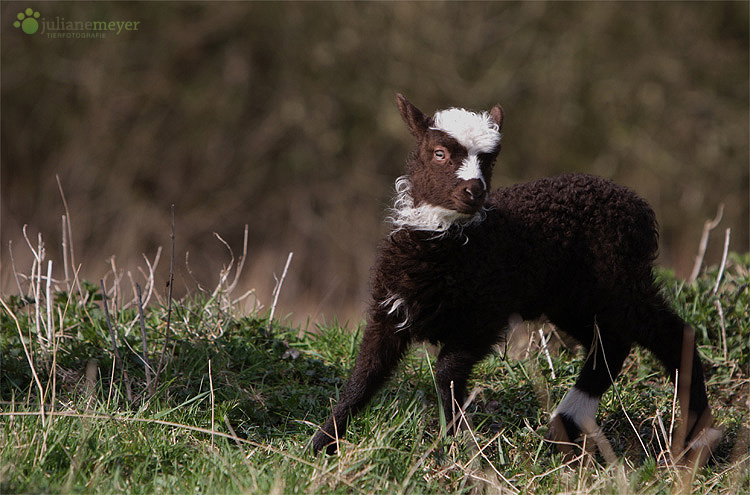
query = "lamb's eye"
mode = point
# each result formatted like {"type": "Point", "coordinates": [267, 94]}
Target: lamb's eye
{"type": "Point", "coordinates": [440, 154]}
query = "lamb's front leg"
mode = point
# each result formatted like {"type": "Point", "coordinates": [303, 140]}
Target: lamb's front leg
{"type": "Point", "coordinates": [452, 371]}
{"type": "Point", "coordinates": [381, 350]}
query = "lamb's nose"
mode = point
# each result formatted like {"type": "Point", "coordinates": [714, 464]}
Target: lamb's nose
{"type": "Point", "coordinates": [474, 189]}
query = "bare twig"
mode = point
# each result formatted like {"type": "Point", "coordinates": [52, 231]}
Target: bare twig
{"type": "Point", "coordinates": [211, 385]}
{"type": "Point", "coordinates": [240, 263]}
{"type": "Point", "coordinates": [38, 291]}
{"type": "Point", "coordinates": [723, 329]}
{"type": "Point", "coordinates": [667, 439]}
{"type": "Point", "coordinates": [33, 288]}
{"type": "Point", "coordinates": [48, 292]}
{"type": "Point", "coordinates": [116, 292]}
{"type": "Point", "coordinates": [224, 274]}
{"type": "Point", "coordinates": [244, 296]}
{"type": "Point", "coordinates": [150, 278]}
{"type": "Point", "coordinates": [170, 284]}
{"type": "Point", "coordinates": [192, 275]}
{"type": "Point", "coordinates": [31, 362]}
{"type": "Point", "coordinates": [277, 289]}
{"type": "Point", "coordinates": [146, 364]}
{"type": "Point", "coordinates": [112, 336]}
{"type": "Point", "coordinates": [546, 352]}
{"type": "Point", "coordinates": [707, 228]}
{"type": "Point", "coordinates": [64, 230]}
{"type": "Point", "coordinates": [35, 285]}
{"type": "Point", "coordinates": [70, 233]}
{"type": "Point", "coordinates": [223, 287]}
{"type": "Point", "coordinates": [723, 260]}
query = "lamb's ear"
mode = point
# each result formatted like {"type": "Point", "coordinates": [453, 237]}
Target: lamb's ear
{"type": "Point", "coordinates": [497, 115]}
{"type": "Point", "coordinates": [414, 118]}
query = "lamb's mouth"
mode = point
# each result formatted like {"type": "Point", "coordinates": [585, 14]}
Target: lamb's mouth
{"type": "Point", "coordinates": [469, 207]}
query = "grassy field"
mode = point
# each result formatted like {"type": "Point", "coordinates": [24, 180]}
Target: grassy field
{"type": "Point", "coordinates": [218, 401]}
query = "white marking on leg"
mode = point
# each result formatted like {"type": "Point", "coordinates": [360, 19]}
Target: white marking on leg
{"type": "Point", "coordinates": [578, 406]}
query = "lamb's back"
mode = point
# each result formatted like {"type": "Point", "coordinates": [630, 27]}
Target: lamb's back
{"type": "Point", "coordinates": [579, 219]}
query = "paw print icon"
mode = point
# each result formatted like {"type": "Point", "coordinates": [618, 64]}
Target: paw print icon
{"type": "Point", "coordinates": [27, 21]}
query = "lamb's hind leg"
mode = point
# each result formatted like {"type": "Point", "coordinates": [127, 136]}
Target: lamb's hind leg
{"type": "Point", "coordinates": [576, 412]}
{"type": "Point", "coordinates": [673, 342]}
{"type": "Point", "coordinates": [381, 350]}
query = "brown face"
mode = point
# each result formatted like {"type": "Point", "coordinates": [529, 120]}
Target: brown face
{"type": "Point", "coordinates": [451, 166]}
{"type": "Point", "coordinates": [445, 174]}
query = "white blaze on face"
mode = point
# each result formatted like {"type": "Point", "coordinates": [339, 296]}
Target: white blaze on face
{"type": "Point", "coordinates": [470, 169]}
{"type": "Point", "coordinates": [476, 132]}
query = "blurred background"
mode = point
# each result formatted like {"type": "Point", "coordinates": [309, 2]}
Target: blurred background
{"type": "Point", "coordinates": [281, 116]}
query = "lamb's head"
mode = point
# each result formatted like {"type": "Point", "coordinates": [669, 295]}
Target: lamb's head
{"type": "Point", "coordinates": [449, 170]}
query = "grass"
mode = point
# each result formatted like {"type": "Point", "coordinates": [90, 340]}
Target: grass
{"type": "Point", "coordinates": [239, 397]}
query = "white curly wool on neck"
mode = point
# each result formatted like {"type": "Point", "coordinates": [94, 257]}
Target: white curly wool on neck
{"type": "Point", "coordinates": [476, 132]}
{"type": "Point", "coordinates": [425, 217]}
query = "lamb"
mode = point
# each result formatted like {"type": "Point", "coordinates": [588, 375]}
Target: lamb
{"type": "Point", "coordinates": [461, 262]}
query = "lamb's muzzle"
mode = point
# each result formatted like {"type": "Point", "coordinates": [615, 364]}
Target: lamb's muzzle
{"type": "Point", "coordinates": [470, 196]}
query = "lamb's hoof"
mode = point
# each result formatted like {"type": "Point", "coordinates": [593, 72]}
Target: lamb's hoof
{"type": "Point", "coordinates": [558, 435]}
{"type": "Point", "coordinates": [590, 439]}
{"type": "Point", "coordinates": [700, 448]}
{"type": "Point", "coordinates": [702, 441]}
{"type": "Point", "coordinates": [597, 440]}
{"type": "Point", "coordinates": [323, 440]}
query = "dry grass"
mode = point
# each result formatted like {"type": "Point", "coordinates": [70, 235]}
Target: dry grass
{"type": "Point", "coordinates": [233, 404]}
